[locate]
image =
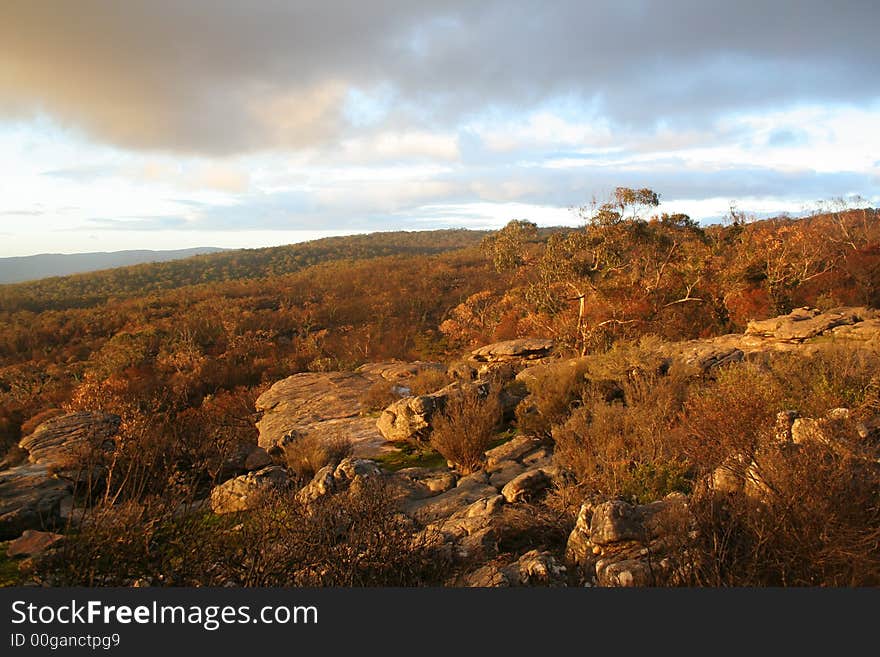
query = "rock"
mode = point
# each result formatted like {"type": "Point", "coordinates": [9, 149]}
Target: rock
{"type": "Point", "coordinates": [561, 369]}
{"type": "Point", "coordinates": [804, 323]}
{"type": "Point", "coordinates": [398, 371]}
{"type": "Point", "coordinates": [236, 461]}
{"type": "Point", "coordinates": [351, 468]}
{"type": "Point", "coordinates": [325, 403]}
{"type": "Point", "coordinates": [246, 492]}
{"type": "Point", "coordinates": [505, 472]}
{"type": "Point", "coordinates": [579, 548]}
{"type": "Point", "coordinates": [486, 506]}
{"type": "Point", "coordinates": [711, 356]}
{"type": "Point", "coordinates": [31, 543]}
{"type": "Point", "coordinates": [72, 445]}
{"type": "Point", "coordinates": [633, 545]}
{"type": "Point", "coordinates": [257, 459]}
{"type": "Point", "coordinates": [526, 486]}
{"type": "Point", "coordinates": [488, 576]}
{"type": "Point", "coordinates": [321, 485]}
{"type": "Point", "coordinates": [523, 349]}
{"type": "Point", "coordinates": [444, 505]}
{"type": "Point", "coordinates": [512, 450]}
{"type": "Point", "coordinates": [462, 371]}
{"type": "Point", "coordinates": [540, 458]}
{"type": "Point", "coordinates": [409, 419]}
{"type": "Point", "coordinates": [30, 498]}
{"type": "Point", "coordinates": [536, 568]}
{"type": "Point", "coordinates": [440, 483]}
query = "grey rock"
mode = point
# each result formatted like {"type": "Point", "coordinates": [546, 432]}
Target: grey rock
{"type": "Point", "coordinates": [72, 445]}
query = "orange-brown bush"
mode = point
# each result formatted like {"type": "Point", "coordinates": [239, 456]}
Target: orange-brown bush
{"type": "Point", "coordinates": [465, 429]}
{"type": "Point", "coordinates": [378, 396]}
{"type": "Point", "coordinates": [427, 381]}
{"type": "Point", "coordinates": [628, 448]}
{"type": "Point", "coordinates": [305, 455]}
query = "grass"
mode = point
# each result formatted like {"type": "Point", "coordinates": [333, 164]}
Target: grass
{"type": "Point", "coordinates": [411, 457]}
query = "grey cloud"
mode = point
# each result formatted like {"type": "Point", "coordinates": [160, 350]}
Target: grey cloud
{"type": "Point", "coordinates": [224, 76]}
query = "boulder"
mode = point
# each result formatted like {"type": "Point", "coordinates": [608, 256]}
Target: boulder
{"type": "Point", "coordinates": [526, 486]}
{"type": "Point", "coordinates": [30, 498]}
{"type": "Point", "coordinates": [325, 403]}
{"type": "Point", "coordinates": [409, 419]}
{"type": "Point", "coordinates": [488, 576]}
{"type": "Point", "coordinates": [246, 492]}
{"type": "Point", "coordinates": [31, 543]}
{"type": "Point", "coordinates": [334, 478]}
{"type": "Point", "coordinates": [72, 445]}
{"type": "Point", "coordinates": [512, 350]}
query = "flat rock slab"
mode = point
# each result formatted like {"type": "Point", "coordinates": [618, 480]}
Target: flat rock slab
{"type": "Point", "coordinates": [446, 504]}
{"type": "Point", "coordinates": [30, 498]}
{"type": "Point", "coordinates": [327, 403]}
{"type": "Point", "coordinates": [32, 543]}
{"type": "Point", "coordinates": [805, 323]}
{"type": "Point", "coordinates": [524, 349]}
{"type": "Point", "coordinates": [396, 371]}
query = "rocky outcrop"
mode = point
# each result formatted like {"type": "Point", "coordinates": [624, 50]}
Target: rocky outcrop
{"type": "Point", "coordinates": [620, 544]}
{"type": "Point", "coordinates": [248, 491]}
{"type": "Point", "coordinates": [322, 403]}
{"type": "Point", "coordinates": [513, 350]}
{"type": "Point", "coordinates": [409, 419]}
{"type": "Point", "coordinates": [30, 498]}
{"type": "Point", "coordinates": [398, 371]}
{"type": "Point", "coordinates": [72, 445]}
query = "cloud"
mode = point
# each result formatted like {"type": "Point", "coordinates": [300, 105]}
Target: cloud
{"type": "Point", "coordinates": [222, 76]}
{"type": "Point", "coordinates": [135, 223]}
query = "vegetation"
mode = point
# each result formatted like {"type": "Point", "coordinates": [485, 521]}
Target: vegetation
{"type": "Point", "coordinates": [180, 351]}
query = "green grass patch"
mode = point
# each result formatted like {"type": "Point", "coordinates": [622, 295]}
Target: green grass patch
{"type": "Point", "coordinates": [410, 456]}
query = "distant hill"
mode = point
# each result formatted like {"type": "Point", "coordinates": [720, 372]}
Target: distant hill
{"type": "Point", "coordinates": [88, 289]}
{"type": "Point", "coordinates": [44, 265]}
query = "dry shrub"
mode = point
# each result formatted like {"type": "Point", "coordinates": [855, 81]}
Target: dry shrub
{"type": "Point", "coordinates": [465, 429]}
{"type": "Point", "coordinates": [427, 381]}
{"type": "Point", "coordinates": [379, 396]}
{"type": "Point", "coordinates": [816, 523]}
{"type": "Point", "coordinates": [629, 449]}
{"type": "Point", "coordinates": [552, 395]}
{"type": "Point", "coordinates": [305, 455]}
{"type": "Point", "coordinates": [811, 515]}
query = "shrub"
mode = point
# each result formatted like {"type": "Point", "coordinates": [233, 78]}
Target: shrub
{"type": "Point", "coordinates": [465, 429]}
{"type": "Point", "coordinates": [427, 381]}
{"type": "Point", "coordinates": [379, 396]}
{"type": "Point", "coordinates": [626, 449]}
{"type": "Point", "coordinates": [305, 455]}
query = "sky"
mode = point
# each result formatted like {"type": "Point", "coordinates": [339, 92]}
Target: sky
{"type": "Point", "coordinates": [162, 124]}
